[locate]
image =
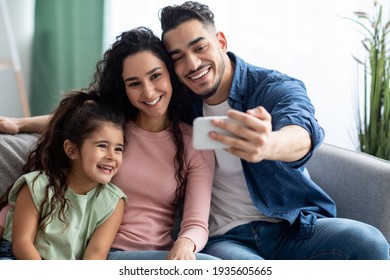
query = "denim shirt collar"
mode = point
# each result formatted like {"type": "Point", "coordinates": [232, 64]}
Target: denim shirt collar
{"type": "Point", "coordinates": [238, 91]}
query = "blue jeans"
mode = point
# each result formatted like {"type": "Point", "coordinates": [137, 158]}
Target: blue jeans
{"type": "Point", "coordinates": [333, 239]}
{"type": "Point", "coordinates": [6, 250]}
{"type": "Point", "coordinates": [115, 254]}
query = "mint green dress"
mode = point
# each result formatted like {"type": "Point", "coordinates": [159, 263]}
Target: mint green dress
{"type": "Point", "coordinates": [85, 214]}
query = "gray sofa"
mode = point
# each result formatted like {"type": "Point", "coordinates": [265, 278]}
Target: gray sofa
{"type": "Point", "coordinates": [359, 183]}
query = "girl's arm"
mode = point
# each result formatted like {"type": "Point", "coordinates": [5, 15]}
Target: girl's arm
{"type": "Point", "coordinates": [101, 240]}
{"type": "Point", "coordinates": [25, 225]}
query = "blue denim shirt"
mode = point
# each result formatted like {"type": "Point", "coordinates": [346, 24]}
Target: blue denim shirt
{"type": "Point", "coordinates": [280, 189]}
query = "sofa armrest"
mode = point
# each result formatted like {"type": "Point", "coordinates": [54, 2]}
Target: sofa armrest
{"type": "Point", "coordinates": [14, 150]}
{"type": "Point", "coordinates": [357, 182]}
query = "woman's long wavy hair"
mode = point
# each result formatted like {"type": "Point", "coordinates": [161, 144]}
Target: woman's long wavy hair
{"type": "Point", "coordinates": [108, 79]}
{"type": "Point", "coordinates": [78, 115]}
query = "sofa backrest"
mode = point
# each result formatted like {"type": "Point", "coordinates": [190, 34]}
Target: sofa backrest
{"type": "Point", "coordinates": [14, 150]}
{"type": "Point", "coordinates": [357, 182]}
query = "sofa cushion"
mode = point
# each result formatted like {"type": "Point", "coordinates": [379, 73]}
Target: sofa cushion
{"type": "Point", "coordinates": [14, 150]}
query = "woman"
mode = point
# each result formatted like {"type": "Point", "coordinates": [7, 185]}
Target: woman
{"type": "Point", "coordinates": [164, 178]}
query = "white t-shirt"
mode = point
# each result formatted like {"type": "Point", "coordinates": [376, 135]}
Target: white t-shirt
{"type": "Point", "coordinates": [231, 204]}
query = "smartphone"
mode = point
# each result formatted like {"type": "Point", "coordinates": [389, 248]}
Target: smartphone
{"type": "Point", "coordinates": [202, 126]}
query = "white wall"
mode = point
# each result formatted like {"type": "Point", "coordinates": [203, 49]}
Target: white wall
{"type": "Point", "coordinates": [22, 21]}
{"type": "Point", "coordinates": [306, 39]}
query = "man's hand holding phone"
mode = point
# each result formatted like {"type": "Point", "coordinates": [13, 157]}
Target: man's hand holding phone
{"type": "Point", "coordinates": [204, 127]}
{"type": "Point", "coordinates": [247, 135]}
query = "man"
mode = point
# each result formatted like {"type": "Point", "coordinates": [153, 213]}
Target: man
{"type": "Point", "coordinates": [264, 206]}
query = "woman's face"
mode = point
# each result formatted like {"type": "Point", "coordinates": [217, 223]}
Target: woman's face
{"type": "Point", "coordinates": [148, 86]}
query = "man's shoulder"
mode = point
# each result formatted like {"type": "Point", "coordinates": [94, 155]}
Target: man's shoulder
{"type": "Point", "coordinates": [246, 68]}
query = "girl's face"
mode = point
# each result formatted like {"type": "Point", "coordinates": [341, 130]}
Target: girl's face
{"type": "Point", "coordinates": [97, 160]}
{"type": "Point", "coordinates": [148, 87]}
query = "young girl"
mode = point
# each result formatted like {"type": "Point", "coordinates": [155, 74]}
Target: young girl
{"type": "Point", "coordinates": [65, 207]}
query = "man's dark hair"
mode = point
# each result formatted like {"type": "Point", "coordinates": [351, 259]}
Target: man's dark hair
{"type": "Point", "coordinates": [172, 16]}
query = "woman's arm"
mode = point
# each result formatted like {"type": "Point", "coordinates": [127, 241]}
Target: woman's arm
{"type": "Point", "coordinates": [29, 124]}
{"type": "Point", "coordinates": [193, 233]}
{"type": "Point", "coordinates": [25, 226]}
{"type": "Point", "coordinates": [101, 240]}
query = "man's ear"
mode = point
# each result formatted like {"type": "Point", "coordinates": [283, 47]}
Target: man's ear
{"type": "Point", "coordinates": [222, 42]}
{"type": "Point", "coordinates": [70, 149]}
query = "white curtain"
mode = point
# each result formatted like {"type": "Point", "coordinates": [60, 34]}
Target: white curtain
{"type": "Point", "coordinates": [307, 39]}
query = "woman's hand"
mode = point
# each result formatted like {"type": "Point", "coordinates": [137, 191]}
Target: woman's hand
{"type": "Point", "coordinates": [28, 124]}
{"type": "Point", "coordinates": [8, 125]}
{"type": "Point", "coordinates": [183, 249]}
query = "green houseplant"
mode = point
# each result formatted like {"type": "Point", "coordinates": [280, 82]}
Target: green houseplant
{"type": "Point", "coordinates": [374, 121]}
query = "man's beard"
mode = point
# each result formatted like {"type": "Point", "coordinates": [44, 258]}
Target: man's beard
{"type": "Point", "coordinates": [208, 94]}
{"type": "Point", "coordinates": [213, 90]}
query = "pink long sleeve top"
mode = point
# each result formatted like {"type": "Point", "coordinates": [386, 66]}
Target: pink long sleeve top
{"type": "Point", "coordinates": [3, 215]}
{"type": "Point", "coordinates": [147, 177]}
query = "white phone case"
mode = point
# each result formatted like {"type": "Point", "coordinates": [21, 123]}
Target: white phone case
{"type": "Point", "coordinates": [202, 127]}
